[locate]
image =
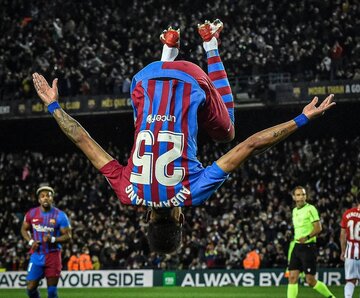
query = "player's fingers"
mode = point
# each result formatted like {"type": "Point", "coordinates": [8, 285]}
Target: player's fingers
{"type": "Point", "coordinates": [36, 82]}
{"type": "Point", "coordinates": [315, 101]}
{"type": "Point", "coordinates": [327, 100]}
{"type": "Point", "coordinates": [329, 106]}
{"type": "Point", "coordinates": [330, 98]}
{"type": "Point", "coordinates": [43, 81]}
{"type": "Point", "coordinates": [54, 83]}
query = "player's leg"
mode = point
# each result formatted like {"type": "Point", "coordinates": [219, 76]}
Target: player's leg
{"type": "Point", "coordinates": [209, 33]}
{"type": "Point", "coordinates": [293, 288]}
{"type": "Point", "coordinates": [349, 288]}
{"type": "Point", "coordinates": [308, 257]}
{"type": "Point", "coordinates": [32, 289]}
{"type": "Point", "coordinates": [295, 267]}
{"type": "Point", "coordinates": [35, 272]}
{"type": "Point", "coordinates": [171, 40]}
{"type": "Point", "coordinates": [352, 273]}
{"type": "Point", "coordinates": [319, 286]}
{"type": "Point", "coordinates": [52, 283]}
{"type": "Point", "coordinates": [52, 272]}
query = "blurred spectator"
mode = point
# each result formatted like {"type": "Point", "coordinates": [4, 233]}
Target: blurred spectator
{"type": "Point", "coordinates": [96, 263]}
{"type": "Point", "coordinates": [336, 55]}
{"type": "Point", "coordinates": [252, 260]}
{"type": "Point", "coordinates": [210, 255]}
{"type": "Point", "coordinates": [251, 209]}
{"type": "Point", "coordinates": [96, 46]}
{"type": "Point", "coordinates": [74, 262]}
{"type": "Point", "coordinates": [85, 260]}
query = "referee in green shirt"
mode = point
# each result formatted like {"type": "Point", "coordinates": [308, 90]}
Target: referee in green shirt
{"type": "Point", "coordinates": [307, 226]}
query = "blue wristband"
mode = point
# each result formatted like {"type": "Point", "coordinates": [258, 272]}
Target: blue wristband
{"type": "Point", "coordinates": [53, 106]}
{"type": "Point", "coordinates": [301, 120]}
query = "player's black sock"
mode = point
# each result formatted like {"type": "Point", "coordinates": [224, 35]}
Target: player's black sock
{"type": "Point", "coordinates": [33, 293]}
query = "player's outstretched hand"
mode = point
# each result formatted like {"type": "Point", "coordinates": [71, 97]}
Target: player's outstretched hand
{"type": "Point", "coordinates": [311, 111]}
{"type": "Point", "coordinates": [46, 93]}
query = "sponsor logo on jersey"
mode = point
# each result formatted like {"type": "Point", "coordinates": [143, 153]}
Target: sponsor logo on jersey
{"type": "Point", "coordinates": [152, 118]}
{"type": "Point", "coordinates": [40, 228]}
{"type": "Point", "coordinates": [52, 221]}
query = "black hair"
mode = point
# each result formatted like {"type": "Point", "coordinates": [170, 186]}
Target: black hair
{"type": "Point", "coordinates": [164, 235]}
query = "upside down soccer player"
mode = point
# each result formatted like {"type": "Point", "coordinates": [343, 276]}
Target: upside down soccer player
{"type": "Point", "coordinates": [169, 99]}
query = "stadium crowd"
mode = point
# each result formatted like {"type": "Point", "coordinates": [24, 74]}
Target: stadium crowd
{"type": "Point", "coordinates": [95, 47]}
{"type": "Point", "coordinates": [251, 211]}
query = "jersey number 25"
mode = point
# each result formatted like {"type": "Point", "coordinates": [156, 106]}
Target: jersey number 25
{"type": "Point", "coordinates": [146, 161]}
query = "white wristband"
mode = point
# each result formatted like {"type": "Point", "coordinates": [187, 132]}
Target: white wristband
{"type": "Point", "coordinates": [31, 241]}
{"type": "Point", "coordinates": [53, 239]}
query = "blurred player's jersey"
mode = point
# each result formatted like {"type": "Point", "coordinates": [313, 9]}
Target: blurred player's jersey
{"type": "Point", "coordinates": [169, 100]}
{"type": "Point", "coordinates": [46, 223]}
{"type": "Point", "coordinates": [351, 222]}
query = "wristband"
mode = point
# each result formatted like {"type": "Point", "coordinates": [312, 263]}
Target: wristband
{"type": "Point", "coordinates": [301, 120]}
{"type": "Point", "coordinates": [53, 106]}
{"type": "Point", "coordinates": [53, 239]}
{"type": "Point", "coordinates": [31, 241]}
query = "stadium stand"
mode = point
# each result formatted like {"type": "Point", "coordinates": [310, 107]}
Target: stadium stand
{"type": "Point", "coordinates": [252, 210]}
{"type": "Point", "coordinates": [95, 48]}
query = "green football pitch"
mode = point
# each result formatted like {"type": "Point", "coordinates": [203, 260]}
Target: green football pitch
{"type": "Point", "coordinates": [177, 292]}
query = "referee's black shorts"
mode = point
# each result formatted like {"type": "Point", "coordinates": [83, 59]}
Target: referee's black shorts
{"type": "Point", "coordinates": [303, 258]}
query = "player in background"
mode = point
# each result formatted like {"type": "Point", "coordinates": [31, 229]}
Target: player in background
{"type": "Point", "coordinates": [44, 229]}
{"type": "Point", "coordinates": [169, 99]}
{"type": "Point", "coordinates": [350, 248]}
{"type": "Point", "coordinates": [307, 226]}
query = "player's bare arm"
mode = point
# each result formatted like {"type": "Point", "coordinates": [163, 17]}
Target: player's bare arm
{"type": "Point", "coordinates": [65, 236]}
{"type": "Point", "coordinates": [71, 128]}
{"type": "Point", "coordinates": [25, 232]}
{"type": "Point", "coordinates": [263, 140]}
{"type": "Point", "coordinates": [343, 243]}
{"type": "Point", "coordinates": [317, 228]}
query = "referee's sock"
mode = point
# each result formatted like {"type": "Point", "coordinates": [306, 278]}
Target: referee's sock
{"type": "Point", "coordinates": [321, 288]}
{"type": "Point", "coordinates": [349, 290]}
{"type": "Point", "coordinates": [292, 290]}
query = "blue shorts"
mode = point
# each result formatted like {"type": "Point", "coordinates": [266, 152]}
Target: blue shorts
{"type": "Point", "coordinates": [209, 180]}
{"type": "Point", "coordinates": [44, 265]}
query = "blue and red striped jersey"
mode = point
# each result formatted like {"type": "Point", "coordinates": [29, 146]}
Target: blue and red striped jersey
{"type": "Point", "coordinates": [168, 98]}
{"type": "Point", "coordinates": [46, 223]}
